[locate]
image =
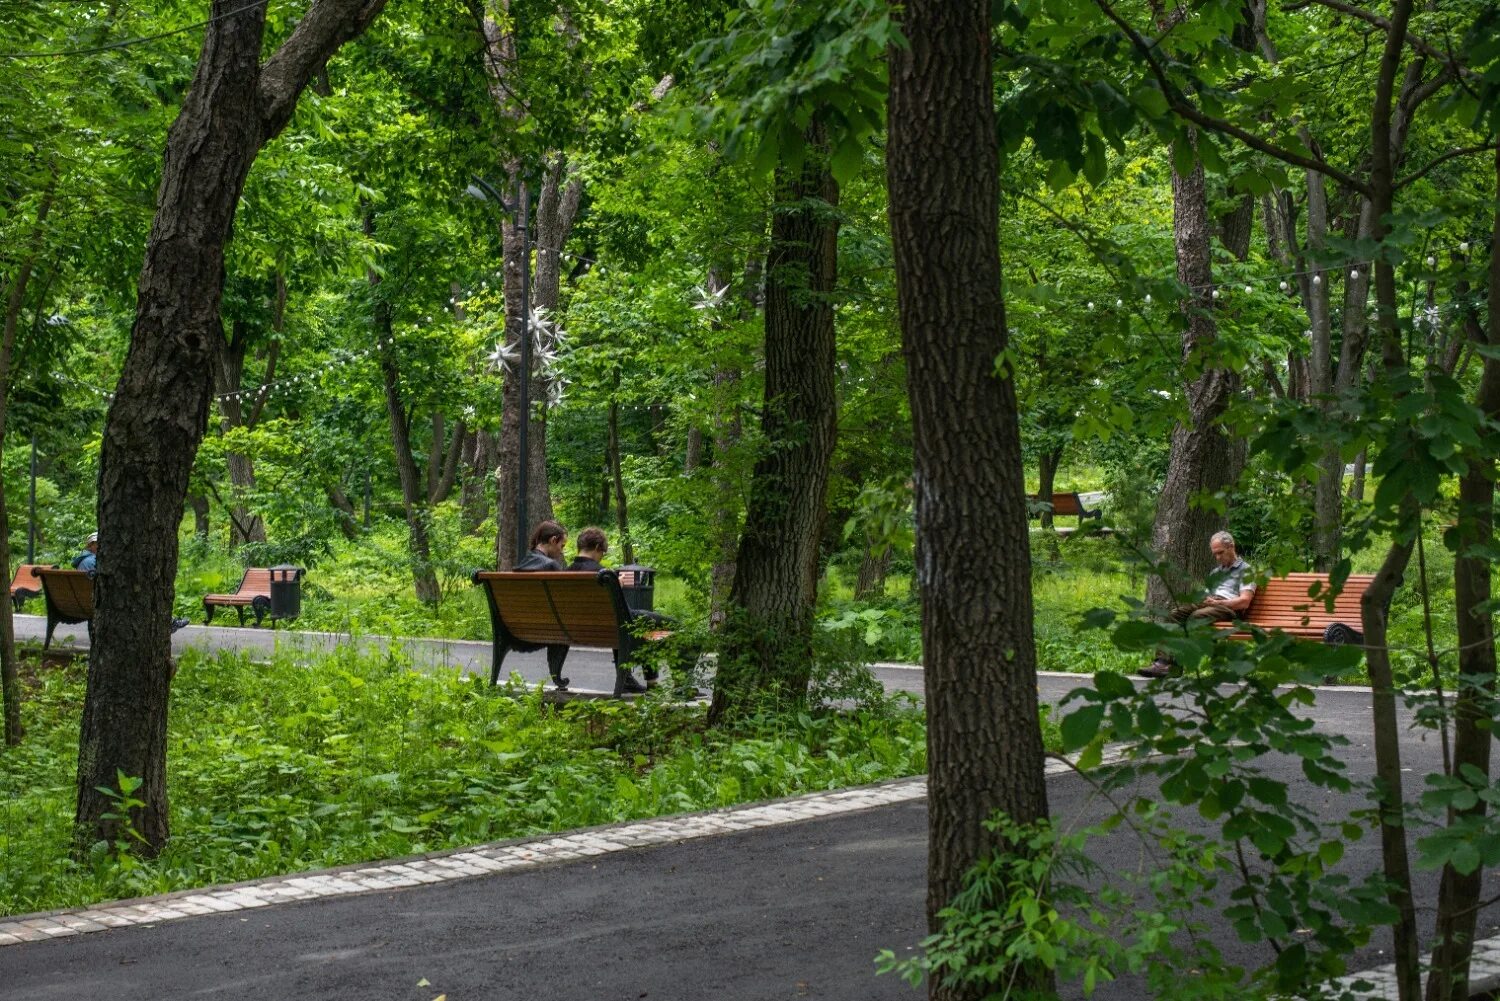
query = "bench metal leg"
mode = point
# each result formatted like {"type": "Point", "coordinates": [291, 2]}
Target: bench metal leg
{"type": "Point", "coordinates": [497, 659]}
{"type": "Point", "coordinates": [51, 625]}
{"type": "Point", "coordinates": [240, 611]}
{"type": "Point", "coordinates": [208, 613]}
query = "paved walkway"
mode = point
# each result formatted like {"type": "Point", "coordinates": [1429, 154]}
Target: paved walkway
{"type": "Point", "coordinates": [588, 668]}
{"type": "Point", "coordinates": [790, 899]}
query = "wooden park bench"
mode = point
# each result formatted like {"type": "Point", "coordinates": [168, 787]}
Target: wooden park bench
{"type": "Point", "coordinates": [24, 585]}
{"type": "Point", "coordinates": [529, 611]}
{"type": "Point", "coordinates": [1068, 505]}
{"type": "Point", "coordinates": [70, 598]}
{"type": "Point", "coordinates": [1283, 603]}
{"type": "Point", "coordinates": [254, 593]}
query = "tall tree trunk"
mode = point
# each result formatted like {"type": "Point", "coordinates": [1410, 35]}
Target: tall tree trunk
{"type": "Point", "coordinates": [979, 658]}
{"type": "Point", "coordinates": [1046, 480]}
{"type": "Point", "coordinates": [1202, 461]}
{"type": "Point", "coordinates": [692, 453]}
{"type": "Point", "coordinates": [767, 644]}
{"type": "Point", "coordinates": [347, 520]}
{"type": "Point", "coordinates": [1459, 893]}
{"type": "Point", "coordinates": [478, 474]}
{"type": "Point", "coordinates": [234, 105]}
{"type": "Point", "coordinates": [199, 505]}
{"type": "Point", "coordinates": [1395, 862]}
{"type": "Point", "coordinates": [244, 526]}
{"type": "Point", "coordinates": [15, 299]}
{"type": "Point", "coordinates": [413, 497]}
{"type": "Point", "coordinates": [617, 477]}
{"type": "Point", "coordinates": [869, 580]}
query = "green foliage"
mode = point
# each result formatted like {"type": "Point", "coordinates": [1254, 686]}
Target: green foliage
{"type": "Point", "coordinates": [783, 65]}
{"type": "Point", "coordinates": [290, 764]}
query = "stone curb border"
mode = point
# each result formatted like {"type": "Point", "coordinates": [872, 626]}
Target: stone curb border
{"type": "Point", "coordinates": [438, 867]}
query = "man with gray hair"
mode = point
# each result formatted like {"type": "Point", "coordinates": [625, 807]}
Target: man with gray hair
{"type": "Point", "coordinates": [1230, 592]}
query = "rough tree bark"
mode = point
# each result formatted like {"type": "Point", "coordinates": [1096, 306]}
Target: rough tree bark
{"type": "Point", "coordinates": [234, 106]}
{"type": "Point", "coordinates": [767, 644]}
{"type": "Point", "coordinates": [1459, 893]}
{"type": "Point", "coordinates": [1202, 460]}
{"type": "Point", "coordinates": [979, 659]}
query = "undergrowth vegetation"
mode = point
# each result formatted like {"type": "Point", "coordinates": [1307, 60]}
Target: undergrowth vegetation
{"type": "Point", "coordinates": [287, 765]}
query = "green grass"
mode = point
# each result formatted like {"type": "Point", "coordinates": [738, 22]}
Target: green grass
{"type": "Point", "coordinates": [286, 766]}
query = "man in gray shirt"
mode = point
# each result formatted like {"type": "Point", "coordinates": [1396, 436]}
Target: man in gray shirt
{"type": "Point", "coordinates": [1231, 590]}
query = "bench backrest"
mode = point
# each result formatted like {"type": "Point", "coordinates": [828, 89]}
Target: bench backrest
{"type": "Point", "coordinates": [70, 593]}
{"type": "Point", "coordinates": [257, 581]}
{"type": "Point", "coordinates": [25, 580]}
{"type": "Point", "coordinates": [1067, 504]}
{"type": "Point", "coordinates": [577, 609]}
{"type": "Point", "coordinates": [1283, 602]}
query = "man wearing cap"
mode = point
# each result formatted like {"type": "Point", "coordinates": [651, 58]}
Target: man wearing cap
{"type": "Point", "coordinates": [89, 558]}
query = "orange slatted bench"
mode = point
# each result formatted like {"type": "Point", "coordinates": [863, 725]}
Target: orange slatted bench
{"type": "Point", "coordinates": [1283, 603]}
{"type": "Point", "coordinates": [529, 611]}
{"type": "Point", "coordinates": [254, 593]}
{"type": "Point", "coordinates": [1069, 505]}
{"type": "Point", "coordinates": [24, 585]}
{"type": "Point", "coordinates": [70, 598]}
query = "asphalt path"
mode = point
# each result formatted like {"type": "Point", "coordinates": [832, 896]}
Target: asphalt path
{"type": "Point", "coordinates": [587, 668]}
{"type": "Point", "coordinates": [785, 912]}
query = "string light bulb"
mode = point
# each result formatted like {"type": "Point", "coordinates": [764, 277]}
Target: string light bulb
{"type": "Point", "coordinates": [1284, 286]}
{"type": "Point", "coordinates": [1431, 262]}
{"type": "Point", "coordinates": [1317, 279]}
{"type": "Point", "coordinates": [1354, 273]}
{"type": "Point", "coordinates": [1463, 248]}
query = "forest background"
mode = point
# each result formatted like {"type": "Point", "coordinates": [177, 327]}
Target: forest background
{"type": "Point", "coordinates": [1187, 322]}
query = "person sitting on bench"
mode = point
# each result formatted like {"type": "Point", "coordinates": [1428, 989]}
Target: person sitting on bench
{"type": "Point", "coordinates": [547, 541]}
{"type": "Point", "coordinates": [592, 545]}
{"type": "Point", "coordinates": [1230, 592]}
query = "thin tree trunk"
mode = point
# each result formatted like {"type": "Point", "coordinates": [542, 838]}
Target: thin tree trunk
{"type": "Point", "coordinates": [979, 659]}
{"type": "Point", "coordinates": [479, 472]}
{"type": "Point", "coordinates": [1046, 480]}
{"type": "Point", "coordinates": [692, 453]}
{"type": "Point", "coordinates": [234, 105]}
{"type": "Point", "coordinates": [348, 521]}
{"type": "Point", "coordinates": [1202, 461]}
{"type": "Point", "coordinates": [869, 580]}
{"type": "Point", "coordinates": [424, 578]}
{"type": "Point", "coordinates": [1459, 893]}
{"type": "Point", "coordinates": [199, 505]}
{"type": "Point", "coordinates": [244, 525]}
{"type": "Point", "coordinates": [622, 516]}
{"type": "Point", "coordinates": [767, 646]}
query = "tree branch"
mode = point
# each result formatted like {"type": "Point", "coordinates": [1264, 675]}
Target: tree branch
{"type": "Point", "coordinates": [1435, 161]}
{"type": "Point", "coordinates": [1417, 42]}
{"type": "Point", "coordinates": [327, 25]}
{"type": "Point", "coordinates": [1185, 109]}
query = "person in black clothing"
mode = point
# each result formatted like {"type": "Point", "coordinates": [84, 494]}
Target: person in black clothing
{"type": "Point", "coordinates": [592, 545]}
{"type": "Point", "coordinates": [547, 541]}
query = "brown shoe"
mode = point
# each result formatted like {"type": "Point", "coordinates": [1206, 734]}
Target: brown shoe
{"type": "Point", "coordinates": [1156, 669]}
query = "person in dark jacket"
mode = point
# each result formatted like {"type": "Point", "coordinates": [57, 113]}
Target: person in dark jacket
{"type": "Point", "coordinates": [593, 544]}
{"type": "Point", "coordinates": [547, 541]}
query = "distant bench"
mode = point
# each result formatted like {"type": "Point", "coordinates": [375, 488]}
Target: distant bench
{"type": "Point", "coordinates": [1068, 505]}
{"type": "Point", "coordinates": [24, 586]}
{"type": "Point", "coordinates": [254, 593]}
{"type": "Point", "coordinates": [1283, 603]}
{"type": "Point", "coordinates": [70, 598]}
{"type": "Point", "coordinates": [529, 611]}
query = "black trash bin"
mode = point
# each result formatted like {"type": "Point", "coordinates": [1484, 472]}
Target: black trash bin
{"type": "Point", "coordinates": [286, 592]}
{"type": "Point", "coordinates": [639, 586]}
